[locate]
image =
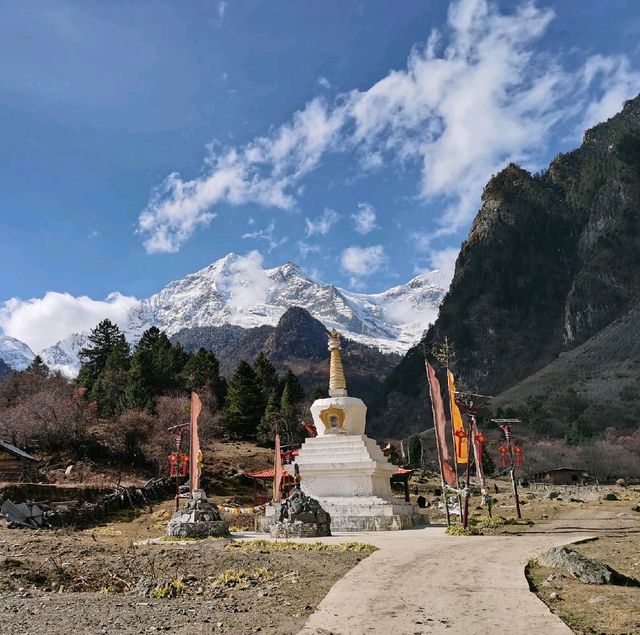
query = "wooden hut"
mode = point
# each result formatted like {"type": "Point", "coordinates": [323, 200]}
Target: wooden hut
{"type": "Point", "coordinates": [15, 464]}
{"type": "Point", "coordinates": [563, 476]}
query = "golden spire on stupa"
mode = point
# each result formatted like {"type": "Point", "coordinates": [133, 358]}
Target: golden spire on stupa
{"type": "Point", "coordinates": [337, 381]}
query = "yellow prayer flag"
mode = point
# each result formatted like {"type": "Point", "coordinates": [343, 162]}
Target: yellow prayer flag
{"type": "Point", "coordinates": [462, 444]}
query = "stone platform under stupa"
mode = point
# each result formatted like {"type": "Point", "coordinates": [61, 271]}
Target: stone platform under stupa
{"type": "Point", "coordinates": [346, 471]}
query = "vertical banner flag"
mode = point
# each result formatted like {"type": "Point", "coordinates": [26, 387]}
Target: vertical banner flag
{"type": "Point", "coordinates": [439, 421]}
{"type": "Point", "coordinates": [277, 494]}
{"type": "Point", "coordinates": [477, 454]}
{"type": "Point", "coordinates": [196, 454]}
{"type": "Point", "coordinates": [462, 443]}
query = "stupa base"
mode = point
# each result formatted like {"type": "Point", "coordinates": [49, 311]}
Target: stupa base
{"type": "Point", "coordinates": [359, 513]}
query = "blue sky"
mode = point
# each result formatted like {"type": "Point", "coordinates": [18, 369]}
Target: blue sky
{"type": "Point", "coordinates": [142, 141]}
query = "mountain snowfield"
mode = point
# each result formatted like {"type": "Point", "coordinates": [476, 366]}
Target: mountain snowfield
{"type": "Point", "coordinates": [236, 290]}
{"type": "Point", "coordinates": [15, 353]}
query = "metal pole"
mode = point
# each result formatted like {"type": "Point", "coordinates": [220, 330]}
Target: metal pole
{"type": "Point", "coordinates": [467, 480]}
{"type": "Point", "coordinates": [513, 479]}
{"type": "Point", "coordinates": [505, 426]}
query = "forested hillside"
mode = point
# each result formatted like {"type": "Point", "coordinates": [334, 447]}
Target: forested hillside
{"type": "Point", "coordinates": [551, 260]}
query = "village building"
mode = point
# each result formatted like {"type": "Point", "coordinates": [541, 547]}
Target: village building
{"type": "Point", "coordinates": [563, 476]}
{"type": "Point", "coordinates": [16, 465]}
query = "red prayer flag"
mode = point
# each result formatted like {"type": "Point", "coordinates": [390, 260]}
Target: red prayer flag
{"type": "Point", "coordinates": [196, 454]}
{"type": "Point", "coordinates": [439, 421]}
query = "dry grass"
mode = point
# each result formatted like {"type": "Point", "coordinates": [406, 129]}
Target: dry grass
{"type": "Point", "coordinates": [242, 578]}
{"type": "Point", "coordinates": [272, 546]}
{"type": "Point", "coordinates": [599, 609]}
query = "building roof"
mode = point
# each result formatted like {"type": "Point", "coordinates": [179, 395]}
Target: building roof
{"type": "Point", "coordinates": [17, 451]}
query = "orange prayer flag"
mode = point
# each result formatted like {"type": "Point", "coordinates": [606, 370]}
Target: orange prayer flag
{"type": "Point", "coordinates": [462, 443]}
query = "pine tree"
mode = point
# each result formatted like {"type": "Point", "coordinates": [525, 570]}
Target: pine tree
{"type": "Point", "coordinates": [266, 374]}
{"type": "Point", "coordinates": [245, 402]}
{"type": "Point", "coordinates": [105, 342]}
{"type": "Point", "coordinates": [291, 382]}
{"type": "Point", "coordinates": [270, 421]}
{"type": "Point", "coordinates": [139, 392]}
{"type": "Point", "coordinates": [202, 373]}
{"type": "Point", "coordinates": [38, 367]}
{"type": "Point", "coordinates": [291, 430]}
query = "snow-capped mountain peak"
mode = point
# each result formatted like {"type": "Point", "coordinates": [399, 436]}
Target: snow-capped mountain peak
{"type": "Point", "coordinates": [237, 290]}
{"type": "Point", "coordinates": [15, 353]}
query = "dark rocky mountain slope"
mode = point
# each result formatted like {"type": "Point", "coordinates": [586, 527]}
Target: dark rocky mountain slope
{"type": "Point", "coordinates": [298, 342]}
{"type": "Point", "coordinates": [551, 260]}
{"type": "Point", "coordinates": [5, 369]}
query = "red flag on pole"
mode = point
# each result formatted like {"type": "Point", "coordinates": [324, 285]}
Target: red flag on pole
{"type": "Point", "coordinates": [277, 494]}
{"type": "Point", "coordinates": [196, 454]}
{"type": "Point", "coordinates": [439, 422]}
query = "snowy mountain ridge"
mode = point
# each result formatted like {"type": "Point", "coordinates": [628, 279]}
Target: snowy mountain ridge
{"type": "Point", "coordinates": [236, 290]}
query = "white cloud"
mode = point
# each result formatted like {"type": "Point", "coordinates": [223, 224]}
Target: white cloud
{"type": "Point", "coordinates": [263, 172]}
{"type": "Point", "coordinates": [444, 262]}
{"type": "Point", "coordinates": [266, 234]}
{"type": "Point", "coordinates": [363, 261]}
{"type": "Point", "coordinates": [307, 248]}
{"type": "Point", "coordinates": [365, 218]}
{"type": "Point", "coordinates": [41, 322]}
{"type": "Point", "coordinates": [477, 95]}
{"type": "Point", "coordinates": [321, 225]}
{"type": "Point", "coordinates": [324, 82]}
{"type": "Point", "coordinates": [247, 283]}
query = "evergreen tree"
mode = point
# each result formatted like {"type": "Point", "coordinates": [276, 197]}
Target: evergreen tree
{"type": "Point", "coordinates": [38, 367]}
{"type": "Point", "coordinates": [202, 373]}
{"type": "Point", "coordinates": [266, 374]}
{"type": "Point", "coordinates": [319, 392]}
{"type": "Point", "coordinates": [415, 452]}
{"type": "Point", "coordinates": [291, 430]}
{"type": "Point", "coordinates": [245, 402]}
{"type": "Point", "coordinates": [270, 421]}
{"type": "Point", "coordinates": [577, 432]}
{"type": "Point", "coordinates": [140, 390]}
{"type": "Point", "coordinates": [295, 390]}
{"type": "Point", "coordinates": [105, 342]}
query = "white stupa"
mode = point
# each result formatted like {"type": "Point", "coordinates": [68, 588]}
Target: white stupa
{"type": "Point", "coordinates": [344, 469]}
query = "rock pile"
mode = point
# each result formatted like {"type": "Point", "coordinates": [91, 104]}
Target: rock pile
{"type": "Point", "coordinates": [199, 519]}
{"type": "Point", "coordinates": [300, 516]}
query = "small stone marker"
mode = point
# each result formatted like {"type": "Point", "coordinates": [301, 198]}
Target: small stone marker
{"type": "Point", "coordinates": [198, 519]}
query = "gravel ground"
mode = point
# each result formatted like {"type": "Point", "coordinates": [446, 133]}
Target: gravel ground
{"type": "Point", "coordinates": [76, 582]}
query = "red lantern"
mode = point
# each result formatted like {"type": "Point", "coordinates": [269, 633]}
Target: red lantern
{"type": "Point", "coordinates": [185, 464]}
{"type": "Point", "coordinates": [503, 451]}
{"type": "Point", "coordinates": [517, 450]}
{"type": "Point", "coordinates": [481, 439]}
{"type": "Point", "coordinates": [173, 459]}
{"type": "Point", "coordinates": [461, 434]}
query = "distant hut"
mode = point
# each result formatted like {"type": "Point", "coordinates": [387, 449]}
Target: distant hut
{"type": "Point", "coordinates": [563, 476]}
{"type": "Point", "coordinates": [15, 464]}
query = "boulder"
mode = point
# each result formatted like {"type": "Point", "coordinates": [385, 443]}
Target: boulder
{"type": "Point", "coordinates": [610, 497]}
{"type": "Point", "coordinates": [585, 569]}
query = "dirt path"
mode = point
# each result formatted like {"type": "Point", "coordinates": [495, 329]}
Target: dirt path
{"type": "Point", "coordinates": [423, 582]}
